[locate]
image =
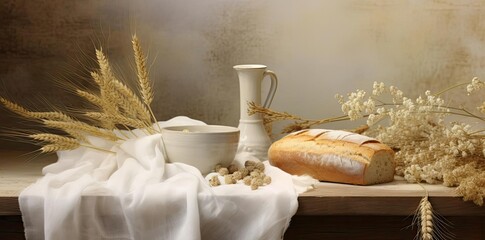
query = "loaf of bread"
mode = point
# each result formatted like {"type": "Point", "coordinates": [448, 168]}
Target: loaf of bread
{"type": "Point", "coordinates": [334, 156]}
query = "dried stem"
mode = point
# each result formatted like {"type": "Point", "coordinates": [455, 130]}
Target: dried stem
{"type": "Point", "coordinates": [271, 116]}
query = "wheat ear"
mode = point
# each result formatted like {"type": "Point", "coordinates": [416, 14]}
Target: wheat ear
{"type": "Point", "coordinates": [430, 224]}
{"type": "Point", "coordinates": [130, 101]}
{"type": "Point", "coordinates": [58, 116]}
{"type": "Point", "coordinates": [426, 219]}
{"type": "Point", "coordinates": [92, 98]}
{"type": "Point", "coordinates": [143, 80]}
{"type": "Point", "coordinates": [56, 142]}
{"type": "Point", "coordinates": [54, 138]}
{"type": "Point", "coordinates": [117, 119]}
{"type": "Point", "coordinates": [82, 128]}
{"type": "Point", "coordinates": [142, 73]}
{"type": "Point", "coordinates": [104, 80]}
{"type": "Point", "coordinates": [56, 147]}
{"type": "Point", "coordinates": [118, 93]}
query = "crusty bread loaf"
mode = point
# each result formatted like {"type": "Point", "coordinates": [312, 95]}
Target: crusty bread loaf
{"type": "Point", "coordinates": [334, 156]}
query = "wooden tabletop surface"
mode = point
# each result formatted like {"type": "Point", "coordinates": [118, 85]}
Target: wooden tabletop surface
{"type": "Point", "coordinates": [18, 170]}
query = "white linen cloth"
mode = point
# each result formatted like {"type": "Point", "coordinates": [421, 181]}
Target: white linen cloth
{"type": "Point", "coordinates": [135, 194]}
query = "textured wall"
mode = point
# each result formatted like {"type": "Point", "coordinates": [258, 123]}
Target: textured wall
{"type": "Point", "coordinates": [317, 48]}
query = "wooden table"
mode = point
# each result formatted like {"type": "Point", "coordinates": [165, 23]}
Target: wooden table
{"type": "Point", "coordinates": [331, 211]}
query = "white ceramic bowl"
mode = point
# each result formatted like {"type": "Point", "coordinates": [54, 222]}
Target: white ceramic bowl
{"type": "Point", "coordinates": [202, 146]}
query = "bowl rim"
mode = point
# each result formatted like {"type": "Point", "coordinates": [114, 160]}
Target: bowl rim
{"type": "Point", "coordinates": [223, 129]}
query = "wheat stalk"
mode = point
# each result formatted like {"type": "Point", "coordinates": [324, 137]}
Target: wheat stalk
{"type": "Point", "coordinates": [57, 147]}
{"type": "Point", "coordinates": [118, 119]}
{"type": "Point", "coordinates": [104, 79]}
{"type": "Point", "coordinates": [82, 127]}
{"type": "Point", "coordinates": [142, 73]}
{"type": "Point", "coordinates": [270, 116]}
{"type": "Point", "coordinates": [117, 94]}
{"type": "Point", "coordinates": [117, 103]}
{"type": "Point", "coordinates": [54, 138]}
{"type": "Point", "coordinates": [426, 219]}
{"type": "Point", "coordinates": [430, 224]}
{"type": "Point", "coordinates": [58, 116]}
{"type": "Point", "coordinates": [130, 101]}
{"type": "Point", "coordinates": [77, 135]}
{"type": "Point", "coordinates": [56, 142]}
{"type": "Point", "coordinates": [92, 98]}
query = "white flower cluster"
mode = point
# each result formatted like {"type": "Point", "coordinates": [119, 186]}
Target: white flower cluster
{"type": "Point", "coordinates": [428, 148]}
{"type": "Point", "coordinates": [475, 85]}
{"type": "Point", "coordinates": [356, 106]}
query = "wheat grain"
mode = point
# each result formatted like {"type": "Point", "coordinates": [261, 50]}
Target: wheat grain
{"type": "Point", "coordinates": [15, 108]}
{"type": "Point", "coordinates": [103, 119]}
{"type": "Point", "coordinates": [133, 101]}
{"type": "Point", "coordinates": [57, 147]}
{"type": "Point", "coordinates": [103, 63]}
{"type": "Point", "coordinates": [97, 79]}
{"type": "Point", "coordinates": [92, 98]}
{"type": "Point", "coordinates": [117, 119]}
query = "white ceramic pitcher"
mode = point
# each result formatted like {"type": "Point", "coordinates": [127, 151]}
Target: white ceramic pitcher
{"type": "Point", "coordinates": [253, 137]}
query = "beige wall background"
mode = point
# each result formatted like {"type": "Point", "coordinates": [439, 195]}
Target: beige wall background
{"type": "Point", "coordinates": [317, 48]}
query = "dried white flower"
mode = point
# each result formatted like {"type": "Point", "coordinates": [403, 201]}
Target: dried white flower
{"type": "Point", "coordinates": [475, 85]}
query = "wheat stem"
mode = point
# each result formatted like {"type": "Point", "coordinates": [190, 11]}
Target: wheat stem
{"type": "Point", "coordinates": [82, 127]}
{"type": "Point", "coordinates": [58, 116]}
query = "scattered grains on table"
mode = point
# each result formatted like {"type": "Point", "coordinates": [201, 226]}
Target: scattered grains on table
{"type": "Point", "coordinates": [237, 175]}
{"type": "Point", "coordinates": [228, 179]}
{"type": "Point", "coordinates": [257, 181]}
{"type": "Point", "coordinates": [259, 166]}
{"type": "Point", "coordinates": [244, 172]}
{"type": "Point", "coordinates": [267, 180]}
{"type": "Point", "coordinates": [250, 165]}
{"type": "Point", "coordinates": [247, 180]}
{"type": "Point", "coordinates": [214, 181]}
{"type": "Point", "coordinates": [223, 171]}
{"type": "Point", "coordinates": [254, 174]}
{"type": "Point", "coordinates": [232, 168]}
{"type": "Point", "coordinates": [254, 186]}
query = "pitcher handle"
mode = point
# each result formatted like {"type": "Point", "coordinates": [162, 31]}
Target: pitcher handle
{"type": "Point", "coordinates": [272, 88]}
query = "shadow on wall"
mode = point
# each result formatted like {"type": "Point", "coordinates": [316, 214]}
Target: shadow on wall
{"type": "Point", "coordinates": [192, 57]}
{"type": "Point", "coordinates": [317, 48]}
